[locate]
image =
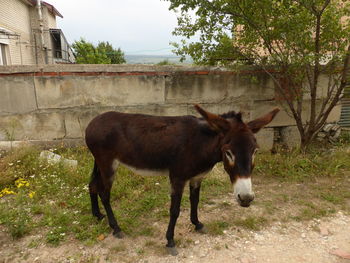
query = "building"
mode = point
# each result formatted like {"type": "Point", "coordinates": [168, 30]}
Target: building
{"type": "Point", "coordinates": [29, 34]}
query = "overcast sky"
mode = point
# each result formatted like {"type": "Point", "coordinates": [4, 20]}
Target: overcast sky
{"type": "Point", "coordinates": [136, 26]}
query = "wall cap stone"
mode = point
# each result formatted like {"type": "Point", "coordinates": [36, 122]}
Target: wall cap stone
{"type": "Point", "coordinates": [121, 68]}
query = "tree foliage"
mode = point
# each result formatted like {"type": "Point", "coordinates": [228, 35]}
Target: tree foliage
{"type": "Point", "coordinates": [301, 39]}
{"type": "Point", "coordinates": [115, 55]}
{"type": "Point", "coordinates": [104, 53]}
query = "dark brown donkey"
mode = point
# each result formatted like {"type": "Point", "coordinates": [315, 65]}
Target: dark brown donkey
{"type": "Point", "coordinates": [185, 148]}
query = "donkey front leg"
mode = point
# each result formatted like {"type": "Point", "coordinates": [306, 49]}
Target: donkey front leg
{"type": "Point", "coordinates": [176, 195]}
{"type": "Point", "coordinates": [195, 186]}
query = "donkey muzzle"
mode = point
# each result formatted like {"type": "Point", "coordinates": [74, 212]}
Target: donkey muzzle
{"type": "Point", "coordinates": [243, 191]}
{"type": "Point", "coordinates": [244, 200]}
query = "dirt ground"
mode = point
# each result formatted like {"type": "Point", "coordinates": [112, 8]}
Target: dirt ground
{"type": "Point", "coordinates": [320, 240]}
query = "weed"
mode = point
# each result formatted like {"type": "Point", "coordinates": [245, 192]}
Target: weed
{"type": "Point", "coordinates": [184, 242]}
{"type": "Point", "coordinates": [150, 243]}
{"type": "Point", "coordinates": [19, 228]}
{"type": "Point", "coordinates": [222, 205]}
{"type": "Point", "coordinates": [10, 131]}
{"type": "Point", "coordinates": [217, 247]}
{"type": "Point", "coordinates": [118, 248]}
{"type": "Point", "coordinates": [332, 198]}
{"type": "Point", "coordinates": [54, 236]}
{"type": "Point", "coordinates": [269, 207]}
{"type": "Point", "coordinates": [34, 243]}
{"type": "Point", "coordinates": [251, 222]}
{"type": "Point", "coordinates": [344, 138]}
{"type": "Point", "coordinates": [165, 62]}
{"type": "Point", "coordinates": [188, 241]}
{"type": "Point", "coordinates": [140, 251]}
{"type": "Point", "coordinates": [285, 198]}
{"type": "Point", "coordinates": [146, 231]}
{"type": "Point", "coordinates": [217, 227]}
{"type": "Point", "coordinates": [313, 212]}
{"type": "Point", "coordinates": [18, 221]}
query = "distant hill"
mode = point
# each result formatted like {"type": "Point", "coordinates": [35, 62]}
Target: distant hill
{"type": "Point", "coordinates": [154, 59]}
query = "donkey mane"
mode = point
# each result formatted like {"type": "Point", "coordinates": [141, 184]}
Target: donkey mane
{"type": "Point", "coordinates": [232, 115]}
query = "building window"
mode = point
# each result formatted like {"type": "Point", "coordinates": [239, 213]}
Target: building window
{"type": "Point", "coordinates": [62, 53]}
{"type": "Point", "coordinates": [3, 60]}
{"type": "Point", "coordinates": [57, 45]}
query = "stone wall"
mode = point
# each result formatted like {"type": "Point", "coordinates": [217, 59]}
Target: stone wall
{"type": "Point", "coordinates": [54, 103]}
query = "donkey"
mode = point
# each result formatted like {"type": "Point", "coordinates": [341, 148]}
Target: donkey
{"type": "Point", "coordinates": [184, 148]}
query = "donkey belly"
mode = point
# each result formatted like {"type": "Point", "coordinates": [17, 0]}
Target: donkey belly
{"type": "Point", "coordinates": [143, 172]}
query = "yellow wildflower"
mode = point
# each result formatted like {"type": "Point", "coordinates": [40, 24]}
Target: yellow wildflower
{"type": "Point", "coordinates": [31, 194]}
{"type": "Point", "coordinates": [20, 182]}
{"type": "Point", "coordinates": [6, 191]}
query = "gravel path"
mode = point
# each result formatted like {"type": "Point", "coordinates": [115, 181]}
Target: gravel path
{"type": "Point", "coordinates": [314, 241]}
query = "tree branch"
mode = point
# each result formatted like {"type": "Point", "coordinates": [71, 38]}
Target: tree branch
{"type": "Point", "coordinates": [336, 98]}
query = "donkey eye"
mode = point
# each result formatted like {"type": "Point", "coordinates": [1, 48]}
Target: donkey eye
{"type": "Point", "coordinates": [230, 157]}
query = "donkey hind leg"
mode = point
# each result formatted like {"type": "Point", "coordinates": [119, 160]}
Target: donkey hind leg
{"type": "Point", "coordinates": [94, 186]}
{"type": "Point", "coordinates": [195, 186]}
{"type": "Point", "coordinates": [107, 178]}
{"type": "Point", "coordinates": [176, 195]}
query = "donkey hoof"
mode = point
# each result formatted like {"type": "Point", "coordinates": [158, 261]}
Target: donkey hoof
{"type": "Point", "coordinates": [118, 234]}
{"type": "Point", "coordinates": [172, 251]}
{"type": "Point", "coordinates": [201, 229]}
{"type": "Point", "coordinates": [100, 217]}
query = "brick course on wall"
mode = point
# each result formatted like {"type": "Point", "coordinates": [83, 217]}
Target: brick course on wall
{"type": "Point", "coordinates": [56, 102]}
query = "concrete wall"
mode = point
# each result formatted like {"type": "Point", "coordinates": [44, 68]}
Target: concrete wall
{"type": "Point", "coordinates": [56, 102]}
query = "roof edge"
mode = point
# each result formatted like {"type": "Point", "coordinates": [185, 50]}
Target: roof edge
{"type": "Point", "coordinates": [50, 7]}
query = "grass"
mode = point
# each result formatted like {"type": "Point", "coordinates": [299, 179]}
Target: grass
{"type": "Point", "coordinates": [217, 227]}
{"type": "Point", "coordinates": [297, 167]}
{"type": "Point", "coordinates": [54, 199]}
{"type": "Point", "coordinates": [251, 222]}
{"type": "Point", "coordinates": [332, 198]}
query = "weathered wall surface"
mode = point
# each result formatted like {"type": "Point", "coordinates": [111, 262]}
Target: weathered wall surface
{"type": "Point", "coordinates": [56, 102]}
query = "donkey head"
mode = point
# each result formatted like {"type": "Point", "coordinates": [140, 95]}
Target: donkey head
{"type": "Point", "coordinates": [238, 148]}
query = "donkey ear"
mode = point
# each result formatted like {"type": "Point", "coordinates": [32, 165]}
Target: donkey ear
{"type": "Point", "coordinates": [258, 123]}
{"type": "Point", "coordinates": [215, 122]}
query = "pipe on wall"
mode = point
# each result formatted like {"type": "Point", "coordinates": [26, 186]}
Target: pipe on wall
{"type": "Point", "coordinates": [41, 28]}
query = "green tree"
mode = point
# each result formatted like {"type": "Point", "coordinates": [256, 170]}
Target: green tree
{"type": "Point", "coordinates": [115, 55]}
{"type": "Point", "coordinates": [86, 53]}
{"type": "Point", "coordinates": [301, 39]}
